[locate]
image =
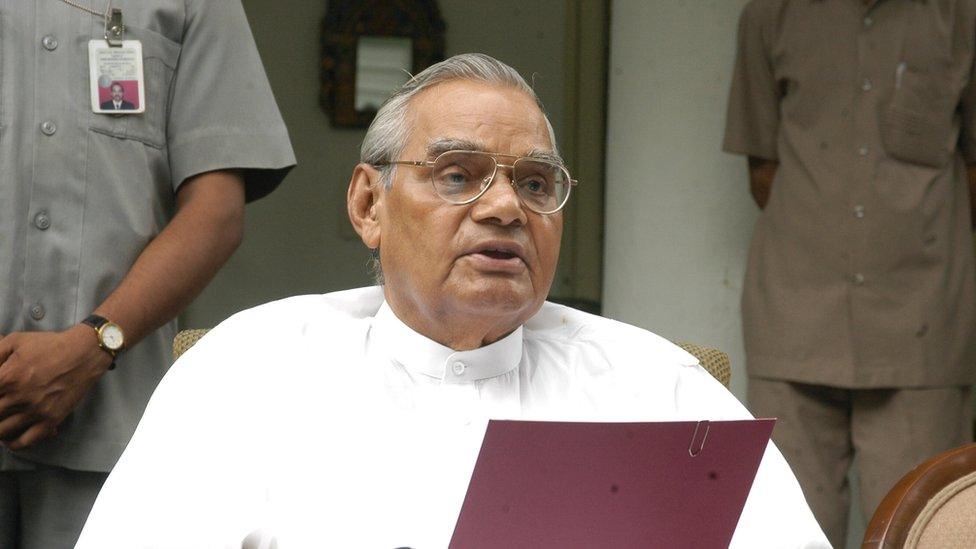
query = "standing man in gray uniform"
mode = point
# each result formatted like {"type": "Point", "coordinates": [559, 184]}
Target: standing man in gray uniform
{"type": "Point", "coordinates": [859, 120]}
{"type": "Point", "coordinates": [110, 224]}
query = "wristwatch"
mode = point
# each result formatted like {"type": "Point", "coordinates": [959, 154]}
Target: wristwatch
{"type": "Point", "coordinates": [110, 336]}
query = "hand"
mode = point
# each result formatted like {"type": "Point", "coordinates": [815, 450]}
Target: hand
{"type": "Point", "coordinates": [762, 173]}
{"type": "Point", "coordinates": [43, 376]}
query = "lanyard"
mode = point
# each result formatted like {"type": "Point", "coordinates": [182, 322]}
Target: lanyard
{"type": "Point", "coordinates": [114, 29]}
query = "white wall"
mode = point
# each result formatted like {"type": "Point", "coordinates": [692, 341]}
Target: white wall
{"type": "Point", "coordinates": [679, 215]}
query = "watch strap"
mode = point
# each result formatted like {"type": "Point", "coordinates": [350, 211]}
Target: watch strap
{"type": "Point", "coordinates": [96, 322]}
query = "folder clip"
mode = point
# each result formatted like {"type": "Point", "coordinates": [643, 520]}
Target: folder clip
{"type": "Point", "coordinates": [698, 439]}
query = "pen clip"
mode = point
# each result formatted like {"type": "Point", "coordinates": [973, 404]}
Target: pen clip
{"type": "Point", "coordinates": [698, 438]}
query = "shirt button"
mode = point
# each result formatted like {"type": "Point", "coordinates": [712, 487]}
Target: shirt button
{"type": "Point", "coordinates": [866, 85]}
{"type": "Point", "coordinates": [42, 221]}
{"type": "Point", "coordinates": [49, 42]}
{"type": "Point", "coordinates": [859, 211]}
{"type": "Point", "coordinates": [459, 368]}
{"type": "Point", "coordinates": [857, 279]}
{"type": "Point", "coordinates": [37, 312]}
{"type": "Point", "coordinates": [48, 127]}
{"type": "Point", "coordinates": [863, 151]}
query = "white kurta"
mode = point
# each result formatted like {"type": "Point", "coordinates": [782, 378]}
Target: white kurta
{"type": "Point", "coordinates": [325, 421]}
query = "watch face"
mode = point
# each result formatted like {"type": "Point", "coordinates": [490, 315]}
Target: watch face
{"type": "Point", "coordinates": [112, 336]}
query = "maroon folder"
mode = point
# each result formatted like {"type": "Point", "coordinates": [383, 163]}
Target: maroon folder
{"type": "Point", "coordinates": [556, 484]}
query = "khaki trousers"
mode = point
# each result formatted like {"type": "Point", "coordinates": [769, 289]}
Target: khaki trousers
{"type": "Point", "coordinates": [43, 507]}
{"type": "Point", "coordinates": [885, 433]}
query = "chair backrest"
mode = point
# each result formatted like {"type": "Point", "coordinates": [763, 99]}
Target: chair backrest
{"type": "Point", "coordinates": [185, 339]}
{"type": "Point", "coordinates": [933, 506]}
{"type": "Point", "coordinates": [716, 362]}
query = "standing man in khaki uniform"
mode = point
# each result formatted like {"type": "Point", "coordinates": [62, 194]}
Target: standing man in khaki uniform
{"type": "Point", "coordinates": [859, 119]}
{"type": "Point", "coordinates": [112, 221]}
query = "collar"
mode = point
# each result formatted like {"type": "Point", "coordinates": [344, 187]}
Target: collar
{"type": "Point", "coordinates": [421, 355]}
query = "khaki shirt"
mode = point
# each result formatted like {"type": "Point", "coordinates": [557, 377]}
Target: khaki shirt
{"type": "Point", "coordinates": [861, 270]}
{"type": "Point", "coordinates": [82, 194]}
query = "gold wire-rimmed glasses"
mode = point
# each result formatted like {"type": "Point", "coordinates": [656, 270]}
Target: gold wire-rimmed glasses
{"type": "Point", "coordinates": [461, 177]}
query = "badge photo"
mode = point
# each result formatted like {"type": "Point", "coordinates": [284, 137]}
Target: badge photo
{"type": "Point", "coordinates": [117, 83]}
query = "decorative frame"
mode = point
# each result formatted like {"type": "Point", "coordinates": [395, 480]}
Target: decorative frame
{"type": "Point", "coordinates": [345, 21]}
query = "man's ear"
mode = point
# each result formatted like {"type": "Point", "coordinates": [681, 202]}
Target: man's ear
{"type": "Point", "coordinates": [362, 202]}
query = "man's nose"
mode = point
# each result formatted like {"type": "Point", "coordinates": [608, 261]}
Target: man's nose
{"type": "Point", "coordinates": [500, 204]}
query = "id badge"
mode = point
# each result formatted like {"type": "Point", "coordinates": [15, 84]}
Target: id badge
{"type": "Point", "coordinates": [116, 77]}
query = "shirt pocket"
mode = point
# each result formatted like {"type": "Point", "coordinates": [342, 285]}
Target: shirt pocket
{"type": "Point", "coordinates": [159, 58]}
{"type": "Point", "coordinates": [917, 123]}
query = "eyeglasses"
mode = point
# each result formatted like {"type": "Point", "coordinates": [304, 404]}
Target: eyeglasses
{"type": "Point", "coordinates": [461, 177]}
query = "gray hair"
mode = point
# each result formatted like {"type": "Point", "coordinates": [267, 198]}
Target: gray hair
{"type": "Point", "coordinates": [387, 135]}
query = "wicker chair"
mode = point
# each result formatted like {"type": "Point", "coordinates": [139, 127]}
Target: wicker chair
{"type": "Point", "coordinates": [185, 339]}
{"type": "Point", "coordinates": [715, 361]}
{"type": "Point", "coordinates": [933, 506]}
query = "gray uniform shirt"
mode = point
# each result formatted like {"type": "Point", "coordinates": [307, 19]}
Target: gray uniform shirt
{"type": "Point", "coordinates": [82, 194]}
{"type": "Point", "coordinates": [860, 272]}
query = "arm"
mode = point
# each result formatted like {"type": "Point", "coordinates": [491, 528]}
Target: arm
{"type": "Point", "coordinates": [761, 175]}
{"type": "Point", "coordinates": [752, 119]}
{"type": "Point", "coordinates": [43, 375]}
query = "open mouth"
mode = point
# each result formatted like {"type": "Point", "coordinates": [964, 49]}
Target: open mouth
{"type": "Point", "coordinates": [498, 254]}
{"type": "Point", "coordinates": [498, 257]}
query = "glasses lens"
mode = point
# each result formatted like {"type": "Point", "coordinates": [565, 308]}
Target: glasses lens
{"type": "Point", "coordinates": [459, 176]}
{"type": "Point", "coordinates": [543, 186]}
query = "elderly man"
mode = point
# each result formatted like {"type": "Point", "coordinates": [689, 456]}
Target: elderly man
{"type": "Point", "coordinates": [354, 418]}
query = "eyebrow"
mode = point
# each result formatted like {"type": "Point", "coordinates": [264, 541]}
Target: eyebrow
{"type": "Point", "coordinates": [443, 144]}
{"type": "Point", "coordinates": [545, 154]}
